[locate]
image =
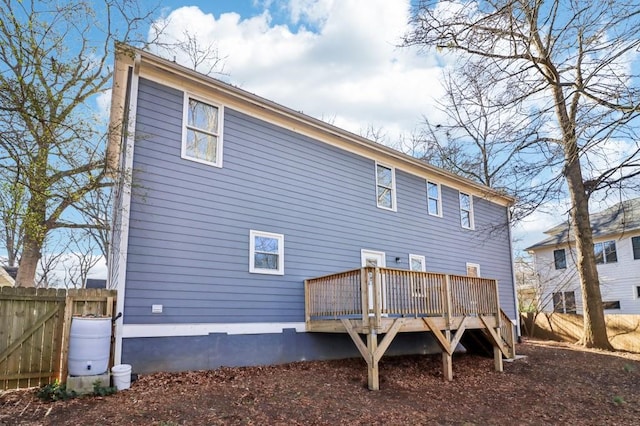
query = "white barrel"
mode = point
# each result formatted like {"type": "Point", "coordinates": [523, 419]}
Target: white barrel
{"type": "Point", "coordinates": [89, 346]}
{"type": "Point", "coordinates": [121, 374]}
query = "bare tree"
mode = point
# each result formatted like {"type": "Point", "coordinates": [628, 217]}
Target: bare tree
{"type": "Point", "coordinates": [575, 63]}
{"type": "Point", "coordinates": [54, 62]}
{"type": "Point", "coordinates": [487, 136]}
{"type": "Point", "coordinates": [203, 57]}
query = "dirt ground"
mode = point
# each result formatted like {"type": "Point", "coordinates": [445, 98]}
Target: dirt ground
{"type": "Point", "coordinates": [556, 383]}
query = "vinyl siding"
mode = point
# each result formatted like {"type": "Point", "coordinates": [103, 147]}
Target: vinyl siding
{"type": "Point", "coordinates": [189, 225]}
{"type": "Point", "coordinates": [617, 280]}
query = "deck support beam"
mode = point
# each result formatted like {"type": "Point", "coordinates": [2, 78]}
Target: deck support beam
{"type": "Point", "coordinates": [373, 351]}
{"type": "Point", "coordinates": [496, 341]}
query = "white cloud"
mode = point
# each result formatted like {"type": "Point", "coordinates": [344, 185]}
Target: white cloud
{"type": "Point", "coordinates": [348, 67]}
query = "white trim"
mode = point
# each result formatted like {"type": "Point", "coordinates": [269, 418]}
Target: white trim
{"type": "Point", "coordinates": [218, 134]}
{"type": "Point", "coordinates": [203, 329]}
{"type": "Point", "coordinates": [473, 265]}
{"type": "Point", "coordinates": [380, 254]}
{"type": "Point", "coordinates": [439, 212]}
{"type": "Point", "coordinates": [394, 206]}
{"type": "Point", "coordinates": [472, 222]}
{"type": "Point", "coordinates": [252, 248]}
{"type": "Point", "coordinates": [125, 208]}
{"type": "Point", "coordinates": [421, 259]}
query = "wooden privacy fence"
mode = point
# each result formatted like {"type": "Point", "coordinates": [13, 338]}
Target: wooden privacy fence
{"type": "Point", "coordinates": [34, 331]}
{"type": "Point", "coordinates": [623, 330]}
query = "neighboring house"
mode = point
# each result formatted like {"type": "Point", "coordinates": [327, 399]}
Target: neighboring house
{"type": "Point", "coordinates": [7, 276]}
{"type": "Point", "coordinates": [616, 237]}
{"type": "Point", "coordinates": [228, 202]}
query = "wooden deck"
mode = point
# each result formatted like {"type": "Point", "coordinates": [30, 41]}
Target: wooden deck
{"type": "Point", "coordinates": [374, 301]}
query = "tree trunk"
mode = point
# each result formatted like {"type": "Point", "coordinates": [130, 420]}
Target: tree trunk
{"type": "Point", "coordinates": [28, 263]}
{"type": "Point", "coordinates": [594, 329]}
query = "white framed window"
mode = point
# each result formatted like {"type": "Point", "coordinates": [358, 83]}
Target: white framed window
{"type": "Point", "coordinates": [417, 263]}
{"type": "Point", "coordinates": [466, 211]}
{"type": "Point", "coordinates": [473, 269]}
{"type": "Point", "coordinates": [385, 187]}
{"type": "Point", "coordinates": [434, 205]}
{"type": "Point", "coordinates": [266, 253]}
{"type": "Point", "coordinates": [636, 291]}
{"type": "Point", "coordinates": [202, 131]}
{"type": "Point", "coordinates": [605, 252]}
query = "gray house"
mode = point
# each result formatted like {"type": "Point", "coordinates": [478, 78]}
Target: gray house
{"type": "Point", "coordinates": [229, 203]}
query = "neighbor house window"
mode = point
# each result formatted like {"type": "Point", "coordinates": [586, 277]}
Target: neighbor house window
{"type": "Point", "coordinates": [433, 199]}
{"type": "Point", "coordinates": [638, 292]}
{"type": "Point", "coordinates": [564, 302]}
{"type": "Point", "coordinates": [201, 134]}
{"type": "Point", "coordinates": [466, 211]}
{"type": "Point", "coordinates": [635, 242]}
{"type": "Point", "coordinates": [385, 187]}
{"type": "Point", "coordinates": [417, 263]}
{"type": "Point", "coordinates": [266, 253]}
{"type": "Point", "coordinates": [473, 270]}
{"type": "Point", "coordinates": [560, 259]}
{"type": "Point", "coordinates": [605, 252]}
{"type": "Point", "coordinates": [611, 304]}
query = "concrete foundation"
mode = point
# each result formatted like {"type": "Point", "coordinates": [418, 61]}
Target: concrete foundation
{"type": "Point", "coordinates": [83, 385]}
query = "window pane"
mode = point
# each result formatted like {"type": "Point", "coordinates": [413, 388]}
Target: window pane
{"type": "Point", "coordinates": [384, 176]}
{"type": "Point", "coordinates": [610, 251]}
{"type": "Point", "coordinates": [433, 206]}
{"type": "Point", "coordinates": [465, 219]}
{"type": "Point", "coordinates": [432, 190]}
{"type": "Point", "coordinates": [384, 197]}
{"type": "Point", "coordinates": [416, 264]}
{"type": "Point", "coordinates": [201, 146]}
{"type": "Point", "coordinates": [266, 245]}
{"type": "Point", "coordinates": [203, 116]}
{"type": "Point", "coordinates": [635, 242]}
{"type": "Point", "coordinates": [598, 250]}
{"type": "Point", "coordinates": [465, 202]}
{"type": "Point", "coordinates": [265, 261]}
{"type": "Point", "coordinates": [557, 302]}
{"type": "Point", "coordinates": [560, 259]}
{"type": "Point", "coordinates": [570, 302]}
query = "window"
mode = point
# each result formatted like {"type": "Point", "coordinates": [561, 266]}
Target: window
{"type": "Point", "coordinates": [417, 263]}
{"type": "Point", "coordinates": [560, 259]}
{"type": "Point", "coordinates": [466, 211]}
{"type": "Point", "coordinates": [638, 292]}
{"type": "Point", "coordinates": [433, 199]}
{"type": "Point", "coordinates": [605, 252]}
{"type": "Point", "coordinates": [266, 253]}
{"type": "Point", "coordinates": [473, 270]}
{"type": "Point", "coordinates": [612, 304]}
{"type": "Point", "coordinates": [564, 302]}
{"type": "Point", "coordinates": [385, 187]}
{"type": "Point", "coordinates": [635, 242]}
{"type": "Point", "coordinates": [201, 134]}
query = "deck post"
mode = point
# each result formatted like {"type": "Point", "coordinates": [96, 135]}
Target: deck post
{"type": "Point", "coordinates": [447, 360]}
{"type": "Point", "coordinates": [307, 304]}
{"type": "Point", "coordinates": [447, 300]}
{"type": "Point", "coordinates": [497, 353]}
{"type": "Point", "coordinates": [364, 295]}
{"type": "Point", "coordinates": [372, 365]}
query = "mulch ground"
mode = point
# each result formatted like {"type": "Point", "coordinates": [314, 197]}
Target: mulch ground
{"type": "Point", "coordinates": [557, 383]}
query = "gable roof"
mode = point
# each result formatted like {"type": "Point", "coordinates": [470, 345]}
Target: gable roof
{"type": "Point", "coordinates": [615, 220]}
{"type": "Point", "coordinates": [150, 66]}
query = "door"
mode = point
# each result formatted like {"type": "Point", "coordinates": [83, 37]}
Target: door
{"type": "Point", "coordinates": [374, 258]}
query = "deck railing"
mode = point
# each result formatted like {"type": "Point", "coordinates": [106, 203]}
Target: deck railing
{"type": "Point", "coordinates": [381, 292]}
